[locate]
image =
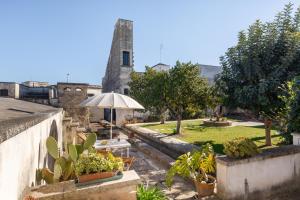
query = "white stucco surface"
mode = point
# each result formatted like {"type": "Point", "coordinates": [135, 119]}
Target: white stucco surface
{"type": "Point", "coordinates": [242, 179]}
{"type": "Point", "coordinates": [22, 154]}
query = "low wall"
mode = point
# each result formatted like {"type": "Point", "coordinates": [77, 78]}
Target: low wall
{"type": "Point", "coordinates": [167, 144]}
{"type": "Point", "coordinates": [273, 171]}
{"type": "Point", "coordinates": [124, 188]}
{"type": "Point", "coordinates": [24, 152]}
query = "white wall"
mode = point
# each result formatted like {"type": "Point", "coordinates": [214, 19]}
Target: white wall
{"type": "Point", "coordinates": [22, 154]}
{"type": "Point", "coordinates": [242, 178]}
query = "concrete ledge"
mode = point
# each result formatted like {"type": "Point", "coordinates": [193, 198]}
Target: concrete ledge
{"type": "Point", "coordinates": [124, 188]}
{"type": "Point", "coordinates": [171, 146]}
{"type": "Point", "coordinates": [261, 177]}
{"type": "Point", "coordinates": [268, 153]}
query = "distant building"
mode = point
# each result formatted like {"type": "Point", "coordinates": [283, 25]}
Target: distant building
{"type": "Point", "coordinates": [161, 67]}
{"type": "Point", "coordinates": [9, 89]}
{"type": "Point", "coordinates": [209, 72]}
{"type": "Point", "coordinates": [35, 84]}
{"type": "Point", "coordinates": [93, 90]}
{"type": "Point", "coordinates": [120, 61]}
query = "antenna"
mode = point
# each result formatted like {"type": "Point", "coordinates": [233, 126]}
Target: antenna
{"type": "Point", "coordinates": [68, 77]}
{"type": "Point", "coordinates": [160, 51]}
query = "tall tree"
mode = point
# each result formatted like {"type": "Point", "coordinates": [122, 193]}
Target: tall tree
{"type": "Point", "coordinates": [149, 88]}
{"type": "Point", "coordinates": [266, 56]}
{"type": "Point", "coordinates": [186, 89]}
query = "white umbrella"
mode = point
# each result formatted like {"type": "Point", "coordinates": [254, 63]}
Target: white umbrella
{"type": "Point", "coordinates": [111, 100]}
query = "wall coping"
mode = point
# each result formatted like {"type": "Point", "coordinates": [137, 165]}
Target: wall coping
{"type": "Point", "coordinates": [12, 127]}
{"type": "Point", "coordinates": [69, 189]}
{"type": "Point", "coordinates": [266, 154]}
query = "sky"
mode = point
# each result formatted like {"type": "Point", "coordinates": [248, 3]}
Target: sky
{"type": "Point", "coordinates": [45, 40]}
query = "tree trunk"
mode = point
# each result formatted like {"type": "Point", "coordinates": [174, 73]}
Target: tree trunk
{"type": "Point", "coordinates": [178, 128]}
{"type": "Point", "coordinates": [162, 117]}
{"type": "Point", "coordinates": [268, 125]}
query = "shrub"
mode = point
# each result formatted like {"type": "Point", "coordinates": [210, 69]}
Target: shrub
{"type": "Point", "coordinates": [94, 162]}
{"type": "Point", "coordinates": [240, 148]}
{"type": "Point", "coordinates": [149, 193]}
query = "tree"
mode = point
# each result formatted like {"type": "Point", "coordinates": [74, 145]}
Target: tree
{"type": "Point", "coordinates": [185, 90]}
{"type": "Point", "coordinates": [266, 56]}
{"type": "Point", "coordinates": [149, 89]}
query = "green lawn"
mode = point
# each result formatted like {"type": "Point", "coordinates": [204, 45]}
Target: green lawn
{"type": "Point", "coordinates": [194, 132]}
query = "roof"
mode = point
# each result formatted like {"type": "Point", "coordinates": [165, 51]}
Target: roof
{"type": "Point", "coordinates": [66, 83]}
{"type": "Point", "coordinates": [17, 116]}
{"type": "Point", "coordinates": [95, 86]}
{"type": "Point", "coordinates": [160, 64]}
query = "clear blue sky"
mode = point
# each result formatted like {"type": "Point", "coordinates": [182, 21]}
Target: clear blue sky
{"type": "Point", "coordinates": [44, 40]}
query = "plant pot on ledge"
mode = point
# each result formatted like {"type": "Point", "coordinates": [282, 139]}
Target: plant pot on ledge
{"type": "Point", "coordinates": [205, 189]}
{"type": "Point", "coordinates": [91, 177]}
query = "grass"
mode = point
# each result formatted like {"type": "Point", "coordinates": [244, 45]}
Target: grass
{"type": "Point", "coordinates": [194, 132]}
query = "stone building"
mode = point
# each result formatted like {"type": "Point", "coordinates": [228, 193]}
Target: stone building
{"type": "Point", "coordinates": [161, 67]}
{"type": "Point", "coordinates": [9, 89]}
{"type": "Point", "coordinates": [120, 61]}
{"type": "Point", "coordinates": [24, 128]}
{"type": "Point", "coordinates": [70, 95]}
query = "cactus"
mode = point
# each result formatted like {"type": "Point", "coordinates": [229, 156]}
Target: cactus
{"type": "Point", "coordinates": [72, 152]}
{"type": "Point", "coordinates": [90, 141]}
{"type": "Point", "coordinates": [57, 173]}
{"type": "Point", "coordinates": [52, 147]}
{"type": "Point", "coordinates": [47, 175]}
{"type": "Point", "coordinates": [64, 165]}
{"type": "Point", "coordinates": [38, 176]}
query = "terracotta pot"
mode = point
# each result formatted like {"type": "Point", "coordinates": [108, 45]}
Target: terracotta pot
{"type": "Point", "coordinates": [205, 189]}
{"type": "Point", "coordinates": [95, 176]}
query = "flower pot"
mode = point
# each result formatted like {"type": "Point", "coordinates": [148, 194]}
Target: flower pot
{"type": "Point", "coordinates": [205, 189]}
{"type": "Point", "coordinates": [91, 177]}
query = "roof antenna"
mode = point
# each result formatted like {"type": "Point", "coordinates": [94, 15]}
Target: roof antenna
{"type": "Point", "coordinates": [160, 51]}
{"type": "Point", "coordinates": [68, 77]}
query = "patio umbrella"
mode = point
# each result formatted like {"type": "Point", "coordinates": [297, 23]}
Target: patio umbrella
{"type": "Point", "coordinates": [113, 101]}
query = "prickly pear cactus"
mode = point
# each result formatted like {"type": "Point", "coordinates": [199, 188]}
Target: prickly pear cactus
{"type": "Point", "coordinates": [52, 147]}
{"type": "Point", "coordinates": [69, 170]}
{"type": "Point", "coordinates": [90, 141]}
{"type": "Point", "coordinates": [72, 152]}
{"type": "Point", "coordinates": [57, 173]}
{"type": "Point", "coordinates": [47, 175]}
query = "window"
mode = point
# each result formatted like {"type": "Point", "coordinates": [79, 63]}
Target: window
{"type": "Point", "coordinates": [67, 89]}
{"type": "Point", "coordinates": [78, 89]}
{"type": "Point", "coordinates": [126, 59]}
{"type": "Point", "coordinates": [4, 93]}
{"type": "Point", "coordinates": [91, 95]}
{"type": "Point", "coordinates": [126, 91]}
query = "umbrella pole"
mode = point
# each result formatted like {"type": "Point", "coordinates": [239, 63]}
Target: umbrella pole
{"type": "Point", "coordinates": [111, 123]}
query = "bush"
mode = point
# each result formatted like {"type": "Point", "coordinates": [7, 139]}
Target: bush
{"type": "Point", "coordinates": [240, 148]}
{"type": "Point", "coordinates": [94, 162]}
{"type": "Point", "coordinates": [149, 193]}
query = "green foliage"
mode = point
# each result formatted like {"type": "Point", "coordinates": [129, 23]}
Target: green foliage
{"type": "Point", "coordinates": [194, 165]}
{"type": "Point", "coordinates": [90, 141]}
{"type": "Point", "coordinates": [52, 147]}
{"type": "Point", "coordinates": [94, 162]}
{"type": "Point", "coordinates": [72, 152]}
{"type": "Point", "coordinates": [64, 165]}
{"type": "Point", "coordinates": [240, 148]}
{"type": "Point", "coordinates": [149, 193]}
{"type": "Point", "coordinates": [265, 57]}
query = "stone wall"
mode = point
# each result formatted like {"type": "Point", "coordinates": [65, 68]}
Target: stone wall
{"type": "Point", "coordinates": [260, 177]}
{"type": "Point", "coordinates": [70, 95]}
{"type": "Point", "coordinates": [26, 151]}
{"type": "Point", "coordinates": [117, 75]}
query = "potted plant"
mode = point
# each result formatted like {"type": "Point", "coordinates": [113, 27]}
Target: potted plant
{"type": "Point", "coordinates": [197, 166]}
{"type": "Point", "coordinates": [64, 164]}
{"type": "Point", "coordinates": [94, 166]}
